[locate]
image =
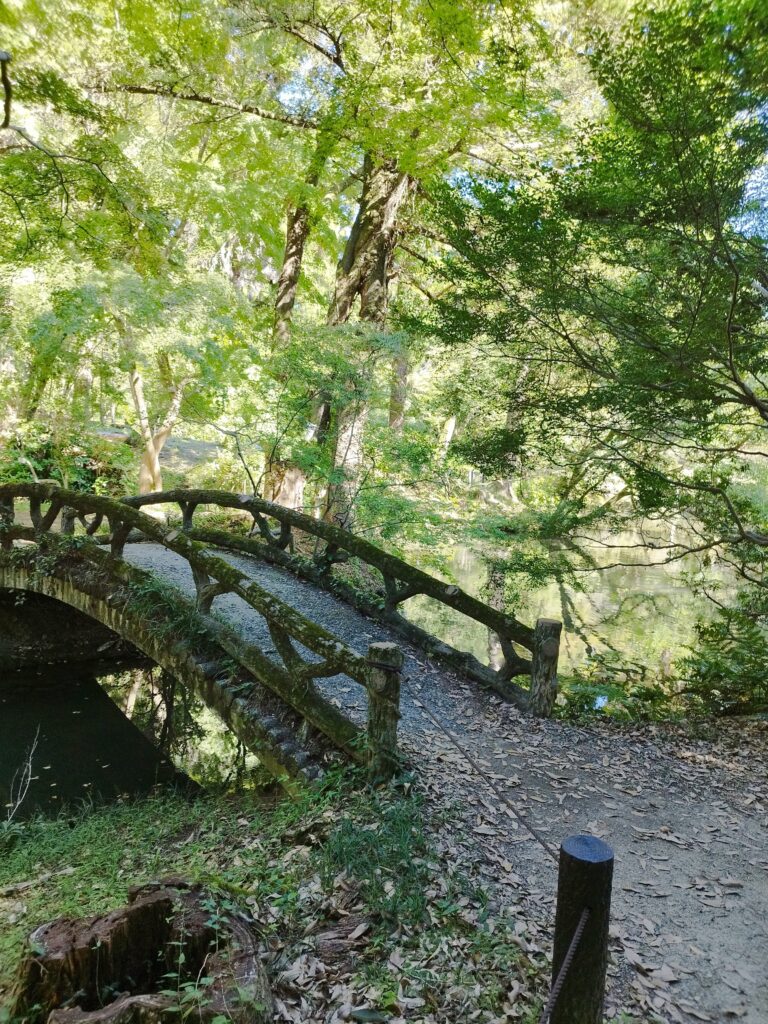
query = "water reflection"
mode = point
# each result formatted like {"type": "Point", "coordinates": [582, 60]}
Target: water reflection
{"type": "Point", "coordinates": [63, 741]}
{"type": "Point", "coordinates": [625, 619]}
{"type": "Point", "coordinates": [181, 725]}
{"type": "Point", "coordinates": [72, 733]}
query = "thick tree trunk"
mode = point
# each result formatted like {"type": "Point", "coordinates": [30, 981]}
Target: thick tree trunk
{"type": "Point", "coordinates": [364, 267]}
{"type": "Point", "coordinates": [297, 232]}
{"type": "Point", "coordinates": [150, 473]}
{"type": "Point", "coordinates": [364, 271]}
{"type": "Point", "coordinates": [349, 425]}
{"type": "Point", "coordinates": [284, 485]}
{"type": "Point", "coordinates": [150, 470]}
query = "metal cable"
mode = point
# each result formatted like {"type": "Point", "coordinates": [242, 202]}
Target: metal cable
{"type": "Point", "coordinates": [564, 967]}
{"type": "Point", "coordinates": [484, 775]}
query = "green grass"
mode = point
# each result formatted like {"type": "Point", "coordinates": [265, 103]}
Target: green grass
{"type": "Point", "coordinates": [387, 858]}
{"type": "Point", "coordinates": [290, 863]}
{"type": "Point", "coordinates": [227, 843]}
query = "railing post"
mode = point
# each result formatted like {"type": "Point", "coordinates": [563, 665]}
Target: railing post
{"type": "Point", "coordinates": [546, 649]}
{"type": "Point", "coordinates": [6, 523]}
{"type": "Point", "coordinates": [584, 883]}
{"type": "Point", "coordinates": [385, 661]}
{"type": "Point", "coordinates": [68, 519]}
{"type": "Point", "coordinates": [187, 512]}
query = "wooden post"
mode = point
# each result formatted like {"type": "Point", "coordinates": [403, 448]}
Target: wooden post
{"type": "Point", "coordinates": [584, 881]}
{"type": "Point", "coordinates": [6, 522]}
{"type": "Point", "coordinates": [119, 536]}
{"type": "Point", "coordinates": [187, 512]}
{"type": "Point", "coordinates": [385, 660]}
{"type": "Point", "coordinates": [546, 648]}
{"type": "Point", "coordinates": [68, 518]}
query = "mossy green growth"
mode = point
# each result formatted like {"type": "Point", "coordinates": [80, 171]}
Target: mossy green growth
{"type": "Point", "coordinates": [166, 613]}
{"type": "Point", "coordinates": [386, 857]}
{"type": "Point", "coordinates": [84, 863]}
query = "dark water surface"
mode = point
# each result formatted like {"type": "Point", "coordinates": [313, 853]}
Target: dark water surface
{"type": "Point", "coordinates": [83, 746]}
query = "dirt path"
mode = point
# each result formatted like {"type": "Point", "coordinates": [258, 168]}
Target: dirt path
{"type": "Point", "coordinates": [688, 820]}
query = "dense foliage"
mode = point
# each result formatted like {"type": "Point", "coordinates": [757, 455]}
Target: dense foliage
{"type": "Point", "coordinates": [446, 273]}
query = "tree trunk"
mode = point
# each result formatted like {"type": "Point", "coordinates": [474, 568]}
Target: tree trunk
{"type": "Point", "coordinates": [296, 234]}
{"type": "Point", "coordinates": [398, 392]}
{"type": "Point", "coordinates": [32, 393]}
{"type": "Point", "coordinates": [284, 485]}
{"type": "Point", "coordinates": [449, 429]}
{"type": "Point", "coordinates": [349, 424]}
{"type": "Point", "coordinates": [364, 267]}
{"type": "Point", "coordinates": [150, 473]}
{"type": "Point", "coordinates": [133, 694]}
{"type": "Point", "coordinates": [364, 270]}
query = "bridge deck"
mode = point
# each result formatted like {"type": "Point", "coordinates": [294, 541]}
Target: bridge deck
{"type": "Point", "coordinates": [349, 625]}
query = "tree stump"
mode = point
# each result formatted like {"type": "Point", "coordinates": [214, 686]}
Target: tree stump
{"type": "Point", "coordinates": [142, 964]}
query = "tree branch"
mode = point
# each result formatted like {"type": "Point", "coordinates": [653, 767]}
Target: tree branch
{"type": "Point", "coordinates": [211, 101]}
{"type": "Point", "coordinates": [334, 58]}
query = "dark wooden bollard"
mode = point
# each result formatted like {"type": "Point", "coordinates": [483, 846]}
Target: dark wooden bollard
{"type": "Point", "coordinates": [584, 881]}
{"type": "Point", "coordinates": [385, 660]}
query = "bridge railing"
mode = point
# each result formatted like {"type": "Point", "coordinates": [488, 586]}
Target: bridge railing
{"type": "Point", "coordinates": [272, 537]}
{"type": "Point", "coordinates": [289, 630]}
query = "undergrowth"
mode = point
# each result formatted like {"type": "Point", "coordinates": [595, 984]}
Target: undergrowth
{"type": "Point", "coordinates": [430, 950]}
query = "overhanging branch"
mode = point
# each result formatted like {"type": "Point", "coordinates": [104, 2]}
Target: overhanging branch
{"type": "Point", "coordinates": [211, 101]}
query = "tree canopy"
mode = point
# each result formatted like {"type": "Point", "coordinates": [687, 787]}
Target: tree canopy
{"type": "Point", "coordinates": [432, 270]}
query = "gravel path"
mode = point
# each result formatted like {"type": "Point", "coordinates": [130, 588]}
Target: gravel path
{"type": "Point", "coordinates": [688, 819]}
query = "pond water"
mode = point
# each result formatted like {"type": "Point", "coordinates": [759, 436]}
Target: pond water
{"type": "Point", "coordinates": [61, 728]}
{"type": "Point", "coordinates": [88, 734]}
{"type": "Point", "coordinates": [625, 618]}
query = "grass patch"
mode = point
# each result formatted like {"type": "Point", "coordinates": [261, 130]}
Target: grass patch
{"type": "Point", "coordinates": [386, 858]}
{"type": "Point", "coordinates": [431, 950]}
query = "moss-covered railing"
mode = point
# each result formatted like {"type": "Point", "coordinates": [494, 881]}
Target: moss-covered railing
{"type": "Point", "coordinates": [272, 538]}
{"type": "Point", "coordinates": [293, 679]}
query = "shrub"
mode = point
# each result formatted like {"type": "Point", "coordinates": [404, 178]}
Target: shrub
{"type": "Point", "coordinates": [82, 462]}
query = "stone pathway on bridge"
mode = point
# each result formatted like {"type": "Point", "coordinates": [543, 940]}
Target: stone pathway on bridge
{"type": "Point", "coordinates": [688, 819]}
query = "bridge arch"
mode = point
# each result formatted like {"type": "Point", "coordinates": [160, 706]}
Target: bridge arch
{"type": "Point", "coordinates": [257, 717]}
{"type": "Point", "coordinates": [37, 631]}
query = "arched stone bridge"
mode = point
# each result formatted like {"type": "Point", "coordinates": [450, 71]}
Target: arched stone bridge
{"type": "Point", "coordinates": [270, 671]}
